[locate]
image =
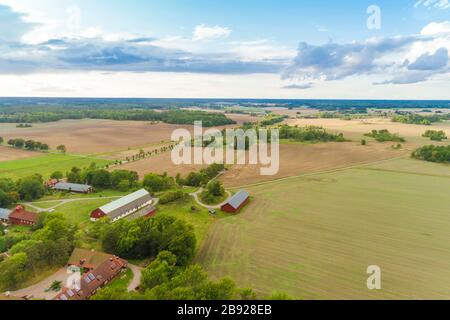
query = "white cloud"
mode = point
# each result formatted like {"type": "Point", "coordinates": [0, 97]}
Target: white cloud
{"type": "Point", "coordinates": [203, 32]}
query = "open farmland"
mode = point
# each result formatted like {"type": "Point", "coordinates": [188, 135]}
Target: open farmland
{"type": "Point", "coordinates": [314, 236]}
{"type": "Point", "coordinates": [93, 136]}
{"type": "Point", "coordinates": [45, 165]}
{"type": "Point", "coordinates": [8, 154]}
{"type": "Point", "coordinates": [298, 158]}
{"type": "Point", "coordinates": [355, 129]}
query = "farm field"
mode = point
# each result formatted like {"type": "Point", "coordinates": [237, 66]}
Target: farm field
{"type": "Point", "coordinates": [93, 136]}
{"type": "Point", "coordinates": [45, 165]}
{"type": "Point", "coordinates": [314, 236]}
{"type": "Point", "coordinates": [9, 154]}
{"type": "Point", "coordinates": [298, 158]}
{"type": "Point", "coordinates": [160, 164]}
{"type": "Point", "coordinates": [355, 129]}
{"type": "Point", "coordinates": [201, 219]}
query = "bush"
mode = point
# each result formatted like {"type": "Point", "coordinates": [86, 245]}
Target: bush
{"type": "Point", "coordinates": [172, 196]}
{"type": "Point", "coordinates": [157, 183]}
{"type": "Point", "coordinates": [384, 136]}
{"type": "Point", "coordinates": [439, 154]}
{"type": "Point", "coordinates": [435, 135]}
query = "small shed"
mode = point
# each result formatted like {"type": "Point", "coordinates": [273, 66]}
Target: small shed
{"type": "Point", "coordinates": [237, 202]}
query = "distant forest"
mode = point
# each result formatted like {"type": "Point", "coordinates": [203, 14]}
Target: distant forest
{"type": "Point", "coordinates": [50, 114]}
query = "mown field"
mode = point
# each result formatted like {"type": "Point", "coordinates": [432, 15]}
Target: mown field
{"type": "Point", "coordinates": [314, 237]}
{"type": "Point", "coordinates": [45, 164]}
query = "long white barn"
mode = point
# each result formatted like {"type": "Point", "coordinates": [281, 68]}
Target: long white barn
{"type": "Point", "coordinates": [123, 207]}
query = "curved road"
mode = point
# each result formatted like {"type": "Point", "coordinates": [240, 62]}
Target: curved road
{"type": "Point", "coordinates": [197, 199]}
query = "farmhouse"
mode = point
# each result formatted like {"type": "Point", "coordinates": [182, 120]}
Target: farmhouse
{"type": "Point", "coordinates": [107, 268]}
{"type": "Point", "coordinates": [123, 207]}
{"type": "Point", "coordinates": [21, 217]}
{"type": "Point", "coordinates": [4, 215]}
{"type": "Point", "coordinates": [73, 187]}
{"type": "Point", "coordinates": [237, 202]}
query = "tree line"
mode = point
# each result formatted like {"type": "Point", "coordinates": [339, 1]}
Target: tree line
{"type": "Point", "coordinates": [187, 117]}
{"type": "Point", "coordinates": [26, 144]}
{"type": "Point", "coordinates": [414, 118]}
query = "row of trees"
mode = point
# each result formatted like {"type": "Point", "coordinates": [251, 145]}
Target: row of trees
{"type": "Point", "coordinates": [384, 135]}
{"type": "Point", "coordinates": [414, 118]}
{"type": "Point", "coordinates": [210, 119]}
{"type": "Point", "coordinates": [439, 154]}
{"type": "Point", "coordinates": [27, 144]}
{"type": "Point", "coordinates": [122, 180]}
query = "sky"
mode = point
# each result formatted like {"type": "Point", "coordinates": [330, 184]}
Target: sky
{"type": "Point", "coordinates": [353, 49]}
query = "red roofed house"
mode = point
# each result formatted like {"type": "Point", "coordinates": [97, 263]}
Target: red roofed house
{"type": "Point", "coordinates": [21, 217]}
{"type": "Point", "coordinates": [103, 273]}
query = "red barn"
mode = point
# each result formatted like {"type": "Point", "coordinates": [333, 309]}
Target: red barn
{"type": "Point", "coordinates": [237, 202]}
{"type": "Point", "coordinates": [21, 217]}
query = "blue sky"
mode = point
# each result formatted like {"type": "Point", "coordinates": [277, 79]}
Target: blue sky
{"type": "Point", "coordinates": [200, 48]}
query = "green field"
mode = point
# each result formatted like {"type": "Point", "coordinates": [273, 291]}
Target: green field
{"type": "Point", "coordinates": [45, 165]}
{"type": "Point", "coordinates": [314, 237]}
{"type": "Point", "coordinates": [201, 219]}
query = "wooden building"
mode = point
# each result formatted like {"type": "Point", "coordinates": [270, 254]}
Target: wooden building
{"type": "Point", "coordinates": [237, 202]}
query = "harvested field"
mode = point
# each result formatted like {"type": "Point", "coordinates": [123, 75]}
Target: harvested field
{"type": "Point", "coordinates": [8, 154]}
{"type": "Point", "coordinates": [355, 129]}
{"type": "Point", "coordinates": [159, 164]}
{"type": "Point", "coordinates": [297, 159]}
{"type": "Point", "coordinates": [100, 136]}
{"type": "Point", "coordinates": [314, 237]}
{"type": "Point", "coordinates": [93, 136]}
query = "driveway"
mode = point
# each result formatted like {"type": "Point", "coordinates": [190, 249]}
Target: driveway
{"type": "Point", "coordinates": [37, 291]}
{"type": "Point", "coordinates": [137, 272]}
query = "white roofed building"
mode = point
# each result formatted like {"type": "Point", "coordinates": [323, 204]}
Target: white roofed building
{"type": "Point", "coordinates": [123, 207]}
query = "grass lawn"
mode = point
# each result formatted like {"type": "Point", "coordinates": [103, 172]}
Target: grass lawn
{"type": "Point", "coordinates": [201, 219]}
{"type": "Point", "coordinates": [314, 237]}
{"type": "Point", "coordinates": [45, 165]}
{"type": "Point", "coordinates": [122, 281]}
{"type": "Point", "coordinates": [78, 212]}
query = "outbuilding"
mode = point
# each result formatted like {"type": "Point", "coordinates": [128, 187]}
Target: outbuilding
{"type": "Point", "coordinates": [123, 207]}
{"type": "Point", "coordinates": [237, 202]}
{"type": "Point", "coordinates": [73, 187]}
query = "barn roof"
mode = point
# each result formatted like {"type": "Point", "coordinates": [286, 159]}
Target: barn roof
{"type": "Point", "coordinates": [4, 213]}
{"type": "Point", "coordinates": [21, 214]}
{"type": "Point", "coordinates": [125, 201]}
{"type": "Point", "coordinates": [73, 187]}
{"type": "Point", "coordinates": [238, 199]}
